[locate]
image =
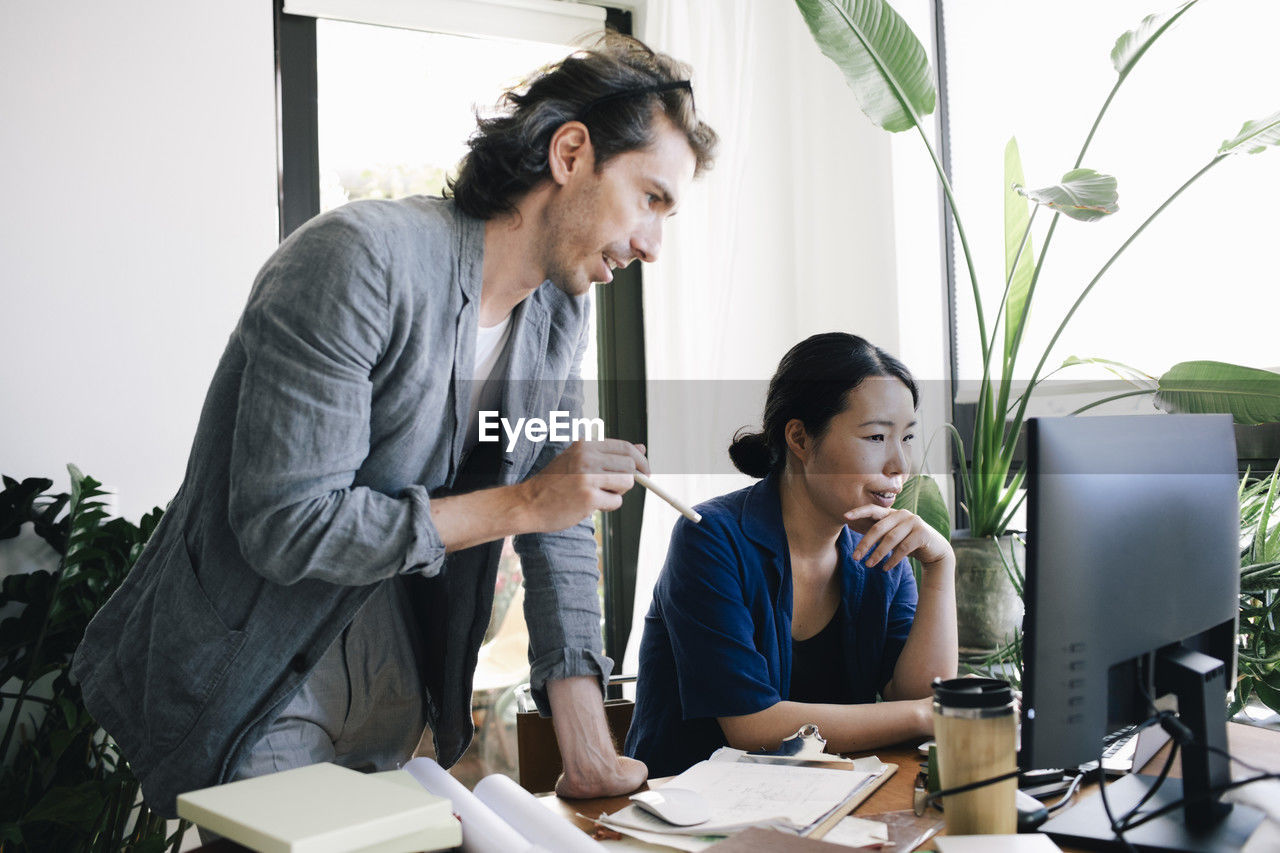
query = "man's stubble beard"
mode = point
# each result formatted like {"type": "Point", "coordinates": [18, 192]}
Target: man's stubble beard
{"type": "Point", "coordinates": [566, 221]}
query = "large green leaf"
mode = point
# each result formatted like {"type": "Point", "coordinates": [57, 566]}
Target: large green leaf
{"type": "Point", "coordinates": [1265, 543]}
{"type": "Point", "coordinates": [1249, 395]}
{"type": "Point", "coordinates": [1018, 266]}
{"type": "Point", "coordinates": [1083, 194]}
{"type": "Point", "coordinates": [1268, 690]}
{"type": "Point", "coordinates": [1126, 372]}
{"type": "Point", "coordinates": [1130, 46]}
{"type": "Point", "coordinates": [78, 805]}
{"type": "Point", "coordinates": [921, 495]}
{"type": "Point", "coordinates": [882, 60]}
{"type": "Point", "coordinates": [1254, 137]}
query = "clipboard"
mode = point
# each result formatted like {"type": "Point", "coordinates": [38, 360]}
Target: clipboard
{"type": "Point", "coordinates": [859, 797]}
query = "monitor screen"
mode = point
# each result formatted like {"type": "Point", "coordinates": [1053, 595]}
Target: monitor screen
{"type": "Point", "coordinates": [1132, 598]}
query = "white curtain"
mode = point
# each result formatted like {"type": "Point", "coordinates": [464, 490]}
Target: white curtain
{"type": "Point", "coordinates": [790, 234]}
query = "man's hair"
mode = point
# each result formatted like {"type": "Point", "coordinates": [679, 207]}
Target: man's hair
{"type": "Point", "coordinates": [609, 88]}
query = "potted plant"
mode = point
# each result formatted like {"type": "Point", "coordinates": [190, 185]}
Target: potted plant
{"type": "Point", "coordinates": [887, 68]}
{"type": "Point", "coordinates": [64, 784]}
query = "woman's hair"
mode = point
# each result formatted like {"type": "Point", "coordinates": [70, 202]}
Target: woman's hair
{"type": "Point", "coordinates": [617, 89]}
{"type": "Point", "coordinates": [812, 384]}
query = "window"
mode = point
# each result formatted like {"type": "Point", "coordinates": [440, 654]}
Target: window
{"type": "Point", "coordinates": [1193, 283]}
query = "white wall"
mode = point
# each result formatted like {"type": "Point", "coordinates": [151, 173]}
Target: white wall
{"type": "Point", "coordinates": [137, 140]}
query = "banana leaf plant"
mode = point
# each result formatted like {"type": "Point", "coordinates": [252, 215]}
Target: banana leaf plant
{"type": "Point", "coordinates": [887, 68]}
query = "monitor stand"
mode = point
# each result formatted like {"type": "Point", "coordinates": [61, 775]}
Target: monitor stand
{"type": "Point", "coordinates": [1085, 824]}
{"type": "Point", "coordinates": [1206, 824]}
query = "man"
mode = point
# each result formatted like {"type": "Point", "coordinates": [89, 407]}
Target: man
{"type": "Point", "coordinates": [320, 584]}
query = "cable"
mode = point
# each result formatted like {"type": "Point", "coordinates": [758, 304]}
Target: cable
{"type": "Point", "coordinates": [1116, 826]}
{"type": "Point", "coordinates": [1155, 786]}
{"type": "Point", "coordinates": [933, 798]}
{"type": "Point", "coordinates": [1119, 827]}
{"type": "Point", "coordinates": [1163, 718]}
{"type": "Point", "coordinates": [1127, 820]}
{"type": "Point", "coordinates": [1246, 765]}
{"type": "Point", "coordinates": [1164, 774]}
{"type": "Point", "coordinates": [1209, 794]}
{"type": "Point", "coordinates": [1071, 792]}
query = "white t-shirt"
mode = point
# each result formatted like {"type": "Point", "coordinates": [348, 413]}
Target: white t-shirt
{"type": "Point", "coordinates": [487, 375]}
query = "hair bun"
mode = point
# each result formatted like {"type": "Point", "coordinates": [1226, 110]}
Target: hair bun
{"type": "Point", "coordinates": [751, 454]}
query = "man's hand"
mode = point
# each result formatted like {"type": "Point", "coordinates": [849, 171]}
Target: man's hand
{"type": "Point", "coordinates": [592, 767]}
{"type": "Point", "coordinates": [587, 476]}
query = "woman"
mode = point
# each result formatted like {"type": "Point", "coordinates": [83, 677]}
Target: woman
{"type": "Point", "coordinates": [792, 602]}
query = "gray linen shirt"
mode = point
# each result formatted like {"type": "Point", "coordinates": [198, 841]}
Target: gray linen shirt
{"type": "Point", "coordinates": [337, 411]}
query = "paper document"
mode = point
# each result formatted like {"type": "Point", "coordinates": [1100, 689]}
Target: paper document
{"type": "Point", "coordinates": [740, 795]}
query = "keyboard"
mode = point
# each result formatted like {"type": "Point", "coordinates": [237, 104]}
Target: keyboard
{"type": "Point", "coordinates": [1126, 749]}
{"type": "Point", "coordinates": [1123, 750]}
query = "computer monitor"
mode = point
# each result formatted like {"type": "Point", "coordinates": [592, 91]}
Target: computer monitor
{"type": "Point", "coordinates": [1132, 593]}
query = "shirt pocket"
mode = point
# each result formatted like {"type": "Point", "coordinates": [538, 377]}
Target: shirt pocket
{"type": "Point", "coordinates": [185, 651]}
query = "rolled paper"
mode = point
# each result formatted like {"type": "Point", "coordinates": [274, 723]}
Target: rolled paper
{"type": "Point", "coordinates": [532, 819]}
{"type": "Point", "coordinates": [483, 830]}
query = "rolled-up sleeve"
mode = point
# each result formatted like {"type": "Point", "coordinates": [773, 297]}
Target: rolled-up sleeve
{"type": "Point", "coordinates": [562, 579]}
{"type": "Point", "coordinates": [313, 332]}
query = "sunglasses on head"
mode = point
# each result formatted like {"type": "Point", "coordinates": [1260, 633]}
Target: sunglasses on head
{"type": "Point", "coordinates": [635, 93]}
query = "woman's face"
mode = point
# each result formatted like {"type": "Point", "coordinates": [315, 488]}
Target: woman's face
{"type": "Point", "coordinates": [865, 454]}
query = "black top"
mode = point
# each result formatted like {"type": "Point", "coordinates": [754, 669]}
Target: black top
{"type": "Point", "coordinates": [816, 667]}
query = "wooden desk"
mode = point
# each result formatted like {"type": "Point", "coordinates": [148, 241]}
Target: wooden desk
{"type": "Point", "coordinates": [1260, 747]}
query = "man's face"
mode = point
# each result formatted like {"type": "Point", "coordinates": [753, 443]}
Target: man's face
{"type": "Point", "coordinates": [604, 219]}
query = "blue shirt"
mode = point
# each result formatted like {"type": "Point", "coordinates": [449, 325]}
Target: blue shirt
{"type": "Point", "coordinates": [717, 638]}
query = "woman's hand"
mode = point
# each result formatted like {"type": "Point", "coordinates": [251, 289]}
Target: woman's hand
{"type": "Point", "coordinates": [888, 535]}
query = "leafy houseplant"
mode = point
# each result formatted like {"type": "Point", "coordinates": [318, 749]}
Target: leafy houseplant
{"type": "Point", "coordinates": [888, 70]}
{"type": "Point", "coordinates": [67, 787]}
{"type": "Point", "coordinates": [1258, 653]}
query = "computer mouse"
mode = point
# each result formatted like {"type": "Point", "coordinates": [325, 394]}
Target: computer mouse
{"type": "Point", "coordinates": [677, 806]}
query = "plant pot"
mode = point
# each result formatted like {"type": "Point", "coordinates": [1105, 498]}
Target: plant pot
{"type": "Point", "coordinates": [988, 606]}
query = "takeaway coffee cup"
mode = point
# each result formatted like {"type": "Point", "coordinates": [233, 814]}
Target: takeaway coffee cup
{"type": "Point", "coordinates": [976, 730]}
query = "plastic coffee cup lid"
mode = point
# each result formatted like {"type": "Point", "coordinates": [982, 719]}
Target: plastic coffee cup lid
{"type": "Point", "coordinates": [972, 693]}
